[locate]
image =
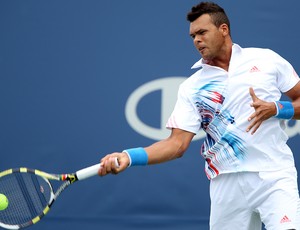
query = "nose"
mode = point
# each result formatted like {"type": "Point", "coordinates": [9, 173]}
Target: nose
{"type": "Point", "coordinates": [197, 39]}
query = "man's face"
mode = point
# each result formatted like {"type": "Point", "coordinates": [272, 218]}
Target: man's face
{"type": "Point", "coordinates": [207, 38]}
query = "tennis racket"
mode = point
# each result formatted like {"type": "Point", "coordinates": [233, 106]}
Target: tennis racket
{"type": "Point", "coordinates": [30, 193]}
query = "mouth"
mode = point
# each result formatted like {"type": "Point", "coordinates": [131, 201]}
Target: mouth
{"type": "Point", "coordinates": [201, 49]}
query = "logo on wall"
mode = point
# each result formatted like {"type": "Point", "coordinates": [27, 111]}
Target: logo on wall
{"type": "Point", "coordinates": [168, 87]}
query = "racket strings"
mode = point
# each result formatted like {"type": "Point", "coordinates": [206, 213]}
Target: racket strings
{"type": "Point", "coordinates": [44, 193]}
{"type": "Point", "coordinates": [27, 197]}
{"type": "Point", "coordinates": [27, 194]}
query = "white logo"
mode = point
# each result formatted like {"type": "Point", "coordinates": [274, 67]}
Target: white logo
{"type": "Point", "coordinates": [169, 87]}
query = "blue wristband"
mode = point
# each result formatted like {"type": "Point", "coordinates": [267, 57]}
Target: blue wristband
{"type": "Point", "coordinates": [285, 110]}
{"type": "Point", "coordinates": [137, 156]}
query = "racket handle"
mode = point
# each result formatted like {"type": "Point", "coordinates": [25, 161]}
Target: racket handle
{"type": "Point", "coordinates": [91, 171]}
{"type": "Point", "coordinates": [88, 172]}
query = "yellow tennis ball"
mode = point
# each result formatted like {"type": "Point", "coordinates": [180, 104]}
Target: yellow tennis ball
{"type": "Point", "coordinates": [3, 202]}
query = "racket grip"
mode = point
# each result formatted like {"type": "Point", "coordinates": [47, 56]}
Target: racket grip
{"type": "Point", "coordinates": [91, 171]}
{"type": "Point", "coordinates": [88, 172]}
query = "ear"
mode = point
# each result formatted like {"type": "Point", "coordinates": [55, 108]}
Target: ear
{"type": "Point", "coordinates": [224, 29]}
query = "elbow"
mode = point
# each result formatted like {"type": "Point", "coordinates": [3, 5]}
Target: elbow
{"type": "Point", "coordinates": [179, 142]}
{"type": "Point", "coordinates": [179, 155]}
{"type": "Point", "coordinates": [181, 149]}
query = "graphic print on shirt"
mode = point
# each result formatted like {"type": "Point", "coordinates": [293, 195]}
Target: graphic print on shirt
{"type": "Point", "coordinates": [221, 147]}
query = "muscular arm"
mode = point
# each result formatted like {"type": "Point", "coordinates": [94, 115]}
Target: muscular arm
{"type": "Point", "coordinates": [168, 149]}
{"type": "Point", "coordinates": [172, 147]}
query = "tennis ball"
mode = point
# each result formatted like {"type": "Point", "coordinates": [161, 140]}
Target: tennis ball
{"type": "Point", "coordinates": [3, 202]}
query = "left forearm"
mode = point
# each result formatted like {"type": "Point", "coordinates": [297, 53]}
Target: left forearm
{"type": "Point", "coordinates": [294, 95]}
{"type": "Point", "coordinates": [296, 105]}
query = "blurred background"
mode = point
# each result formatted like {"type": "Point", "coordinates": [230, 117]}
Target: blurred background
{"type": "Point", "coordinates": [80, 79]}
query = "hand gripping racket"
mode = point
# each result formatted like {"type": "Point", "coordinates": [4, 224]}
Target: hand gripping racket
{"type": "Point", "coordinates": [30, 193]}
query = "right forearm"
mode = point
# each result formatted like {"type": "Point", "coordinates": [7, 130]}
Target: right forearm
{"type": "Point", "coordinates": [163, 151]}
{"type": "Point", "coordinates": [171, 148]}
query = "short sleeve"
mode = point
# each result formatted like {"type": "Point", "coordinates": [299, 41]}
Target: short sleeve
{"type": "Point", "coordinates": [287, 77]}
{"type": "Point", "coordinates": [184, 115]}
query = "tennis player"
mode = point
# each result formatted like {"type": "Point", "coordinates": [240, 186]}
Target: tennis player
{"type": "Point", "coordinates": [234, 96]}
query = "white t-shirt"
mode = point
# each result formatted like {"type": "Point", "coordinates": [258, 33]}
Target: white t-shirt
{"type": "Point", "coordinates": [218, 102]}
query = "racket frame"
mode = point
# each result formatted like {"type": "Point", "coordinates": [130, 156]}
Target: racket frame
{"type": "Point", "coordinates": [47, 177]}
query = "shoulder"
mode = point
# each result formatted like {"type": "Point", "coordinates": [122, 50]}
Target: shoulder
{"type": "Point", "coordinates": [258, 52]}
{"type": "Point", "coordinates": [265, 55]}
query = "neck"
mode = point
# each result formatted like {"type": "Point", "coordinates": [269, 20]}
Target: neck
{"type": "Point", "coordinates": [223, 59]}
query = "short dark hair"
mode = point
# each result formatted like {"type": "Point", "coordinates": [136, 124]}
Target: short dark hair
{"type": "Point", "coordinates": [216, 12]}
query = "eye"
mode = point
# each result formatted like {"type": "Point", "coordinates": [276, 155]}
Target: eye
{"type": "Point", "coordinates": [202, 32]}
